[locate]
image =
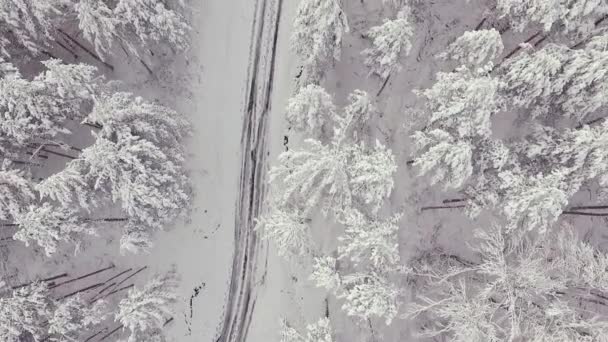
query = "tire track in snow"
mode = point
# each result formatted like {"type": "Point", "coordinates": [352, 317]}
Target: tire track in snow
{"type": "Point", "coordinates": [242, 292]}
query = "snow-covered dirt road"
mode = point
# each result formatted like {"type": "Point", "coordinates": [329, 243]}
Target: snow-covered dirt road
{"type": "Point", "coordinates": [248, 267]}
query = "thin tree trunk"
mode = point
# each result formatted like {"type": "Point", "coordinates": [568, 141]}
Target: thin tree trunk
{"type": "Point", "coordinates": [84, 276]}
{"type": "Point", "coordinates": [67, 49]}
{"type": "Point", "coordinates": [92, 125]}
{"type": "Point", "coordinates": [454, 200]}
{"type": "Point", "coordinates": [96, 334]}
{"type": "Point", "coordinates": [109, 219]}
{"type": "Point", "coordinates": [146, 66]}
{"type": "Point", "coordinates": [84, 48]}
{"type": "Point", "coordinates": [4, 225]}
{"type": "Point", "coordinates": [540, 41]}
{"type": "Point", "coordinates": [62, 275]}
{"type": "Point", "coordinates": [478, 27]}
{"type": "Point", "coordinates": [111, 332]}
{"type": "Point", "coordinates": [127, 278]}
{"type": "Point", "coordinates": [117, 290]}
{"type": "Point", "coordinates": [442, 207]}
{"type": "Point", "coordinates": [81, 290]}
{"type": "Point", "coordinates": [410, 162]}
{"type": "Point", "coordinates": [59, 154]}
{"type": "Point", "coordinates": [588, 207]}
{"type": "Point", "coordinates": [95, 297]}
{"type": "Point", "coordinates": [384, 85]}
{"type": "Point", "coordinates": [516, 49]}
{"type": "Point", "coordinates": [579, 213]}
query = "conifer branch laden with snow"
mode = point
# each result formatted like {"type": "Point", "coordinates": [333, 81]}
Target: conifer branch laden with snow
{"type": "Point", "coordinates": [319, 331]}
{"type": "Point", "coordinates": [310, 109]}
{"type": "Point", "coordinates": [289, 231]}
{"type": "Point", "coordinates": [475, 48]}
{"type": "Point", "coordinates": [390, 41]}
{"type": "Point", "coordinates": [146, 309]}
{"type": "Point", "coordinates": [317, 35]}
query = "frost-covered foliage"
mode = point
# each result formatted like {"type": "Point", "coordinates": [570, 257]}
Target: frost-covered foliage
{"type": "Point", "coordinates": [462, 102]}
{"type": "Point", "coordinates": [25, 313]}
{"type": "Point", "coordinates": [136, 240]}
{"type": "Point", "coordinates": [533, 201]}
{"type": "Point", "coordinates": [361, 107]}
{"type": "Point", "coordinates": [475, 48]}
{"type": "Point", "coordinates": [147, 309]}
{"type": "Point", "coordinates": [36, 110]}
{"type": "Point", "coordinates": [289, 231]}
{"type": "Point", "coordinates": [27, 24]}
{"type": "Point", "coordinates": [524, 288]}
{"type": "Point", "coordinates": [369, 240]}
{"type": "Point", "coordinates": [310, 109]}
{"type": "Point", "coordinates": [75, 315]}
{"type": "Point", "coordinates": [49, 225]}
{"type": "Point", "coordinates": [31, 26]}
{"type": "Point", "coordinates": [390, 41]}
{"type": "Point", "coordinates": [558, 81]}
{"type": "Point", "coordinates": [317, 36]}
{"type": "Point", "coordinates": [319, 331]}
{"type": "Point", "coordinates": [371, 174]}
{"type": "Point", "coordinates": [332, 175]}
{"type": "Point", "coordinates": [447, 158]}
{"type": "Point", "coordinates": [325, 274]}
{"type": "Point", "coordinates": [370, 295]}
{"type": "Point", "coordinates": [16, 192]}
{"type": "Point", "coordinates": [573, 14]}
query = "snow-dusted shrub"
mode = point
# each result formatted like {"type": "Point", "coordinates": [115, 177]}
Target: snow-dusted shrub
{"type": "Point", "coordinates": [317, 35]}
{"type": "Point", "coordinates": [310, 109]}
{"type": "Point", "coordinates": [475, 48]}
{"type": "Point", "coordinates": [390, 41]}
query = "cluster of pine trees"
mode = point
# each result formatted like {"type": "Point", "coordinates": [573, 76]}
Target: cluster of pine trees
{"type": "Point", "coordinates": [533, 277]}
{"type": "Point", "coordinates": [80, 156]}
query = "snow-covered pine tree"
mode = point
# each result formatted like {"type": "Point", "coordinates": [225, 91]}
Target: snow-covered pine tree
{"type": "Point", "coordinates": [319, 331]}
{"type": "Point", "coordinates": [371, 173]}
{"type": "Point", "coordinates": [75, 315]}
{"type": "Point", "coordinates": [314, 174]}
{"type": "Point", "coordinates": [34, 111]}
{"type": "Point", "coordinates": [151, 22]}
{"type": "Point", "coordinates": [368, 295]}
{"type": "Point", "coordinates": [25, 313]}
{"type": "Point", "coordinates": [149, 186]}
{"type": "Point", "coordinates": [48, 225]}
{"type": "Point", "coordinates": [317, 36]}
{"type": "Point", "coordinates": [310, 109]}
{"type": "Point", "coordinates": [147, 309]}
{"type": "Point", "coordinates": [557, 81]}
{"type": "Point", "coordinates": [98, 24]}
{"type": "Point", "coordinates": [289, 231]}
{"type": "Point", "coordinates": [449, 159]}
{"type": "Point", "coordinates": [369, 241]}
{"type": "Point", "coordinates": [390, 41]}
{"type": "Point", "coordinates": [136, 239]}
{"type": "Point", "coordinates": [571, 15]}
{"type": "Point", "coordinates": [353, 118]}
{"type": "Point", "coordinates": [533, 202]}
{"type": "Point", "coordinates": [475, 48]}
{"type": "Point", "coordinates": [28, 25]}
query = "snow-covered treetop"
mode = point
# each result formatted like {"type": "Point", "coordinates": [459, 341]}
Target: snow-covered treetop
{"type": "Point", "coordinates": [38, 108]}
{"type": "Point", "coordinates": [572, 14]}
{"type": "Point", "coordinates": [289, 231]}
{"type": "Point", "coordinates": [475, 48]}
{"type": "Point", "coordinates": [368, 295]}
{"type": "Point", "coordinates": [390, 41]}
{"type": "Point", "coordinates": [75, 315]}
{"type": "Point", "coordinates": [372, 241]}
{"type": "Point", "coordinates": [29, 23]}
{"type": "Point", "coordinates": [148, 308]}
{"type": "Point", "coordinates": [317, 35]}
{"type": "Point", "coordinates": [25, 312]}
{"type": "Point", "coordinates": [16, 192]}
{"type": "Point", "coordinates": [310, 109]}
